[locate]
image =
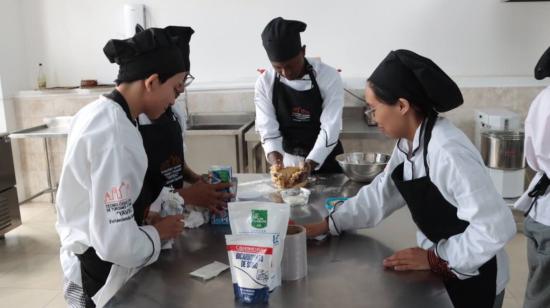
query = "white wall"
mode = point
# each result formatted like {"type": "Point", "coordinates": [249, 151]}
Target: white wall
{"type": "Point", "coordinates": [474, 38]}
{"type": "Point", "coordinates": [13, 69]}
{"type": "Point", "coordinates": [3, 125]}
{"type": "Point", "coordinates": [13, 72]}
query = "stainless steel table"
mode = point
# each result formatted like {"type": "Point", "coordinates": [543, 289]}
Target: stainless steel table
{"type": "Point", "coordinates": [44, 132]}
{"type": "Point", "coordinates": [343, 271]}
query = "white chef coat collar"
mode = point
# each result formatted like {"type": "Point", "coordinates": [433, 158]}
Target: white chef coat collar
{"type": "Point", "coordinates": [403, 144]}
{"type": "Point", "coordinates": [306, 75]}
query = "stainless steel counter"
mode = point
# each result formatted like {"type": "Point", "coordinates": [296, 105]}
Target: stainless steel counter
{"type": "Point", "coordinates": [44, 132]}
{"type": "Point", "coordinates": [352, 127]}
{"type": "Point", "coordinates": [343, 271]}
{"type": "Point", "coordinates": [222, 134]}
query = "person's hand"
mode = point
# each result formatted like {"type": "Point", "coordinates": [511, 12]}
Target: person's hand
{"type": "Point", "coordinates": [190, 176]}
{"type": "Point", "coordinates": [408, 259]}
{"type": "Point", "coordinates": [169, 227]}
{"type": "Point", "coordinates": [207, 195]}
{"type": "Point", "coordinates": [152, 218]}
{"type": "Point", "coordinates": [199, 178]}
{"type": "Point", "coordinates": [276, 160]}
{"type": "Point", "coordinates": [203, 178]}
{"type": "Point", "coordinates": [196, 178]}
{"type": "Point", "coordinates": [316, 229]}
{"type": "Point", "coordinates": [307, 167]}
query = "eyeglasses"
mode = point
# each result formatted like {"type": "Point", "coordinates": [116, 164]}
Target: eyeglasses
{"type": "Point", "coordinates": [188, 80]}
{"type": "Point", "coordinates": [368, 111]}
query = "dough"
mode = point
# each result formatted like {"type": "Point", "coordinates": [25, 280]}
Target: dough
{"type": "Point", "coordinates": [287, 177]}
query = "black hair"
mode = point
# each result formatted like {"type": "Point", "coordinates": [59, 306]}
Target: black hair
{"type": "Point", "coordinates": [391, 99]}
{"type": "Point", "coordinates": [383, 95]}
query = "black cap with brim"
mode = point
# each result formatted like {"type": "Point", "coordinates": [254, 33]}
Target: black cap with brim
{"type": "Point", "coordinates": [154, 50]}
{"type": "Point", "coordinates": [408, 75]}
{"type": "Point", "coordinates": [281, 39]}
{"type": "Point", "coordinates": [542, 69]}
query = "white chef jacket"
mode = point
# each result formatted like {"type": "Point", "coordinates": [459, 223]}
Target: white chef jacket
{"type": "Point", "coordinates": [457, 170]}
{"type": "Point", "coordinates": [332, 92]}
{"type": "Point", "coordinates": [178, 111]}
{"type": "Point", "coordinates": [537, 154]}
{"type": "Point", "coordinates": [102, 176]}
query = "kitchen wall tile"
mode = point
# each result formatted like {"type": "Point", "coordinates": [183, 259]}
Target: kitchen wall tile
{"type": "Point", "coordinates": [30, 111]}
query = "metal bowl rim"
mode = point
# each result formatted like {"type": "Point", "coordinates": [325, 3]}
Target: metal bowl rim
{"type": "Point", "coordinates": [504, 134]}
{"type": "Point", "coordinates": [385, 155]}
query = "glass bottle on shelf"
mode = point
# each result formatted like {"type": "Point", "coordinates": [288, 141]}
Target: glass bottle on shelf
{"type": "Point", "coordinates": [41, 78]}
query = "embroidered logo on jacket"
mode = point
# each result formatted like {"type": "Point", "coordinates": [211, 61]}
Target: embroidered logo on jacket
{"type": "Point", "coordinates": [172, 169]}
{"type": "Point", "coordinates": [118, 204]}
{"type": "Point", "coordinates": [300, 114]}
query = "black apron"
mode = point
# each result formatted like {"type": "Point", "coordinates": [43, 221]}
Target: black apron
{"type": "Point", "coordinates": [163, 143]}
{"type": "Point", "coordinates": [437, 219]}
{"type": "Point", "coordinates": [539, 190]}
{"type": "Point", "coordinates": [299, 117]}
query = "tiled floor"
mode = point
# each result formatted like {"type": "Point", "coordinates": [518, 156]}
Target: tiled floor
{"type": "Point", "coordinates": [30, 274]}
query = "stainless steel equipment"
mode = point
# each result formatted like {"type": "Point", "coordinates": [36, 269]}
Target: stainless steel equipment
{"type": "Point", "coordinates": [344, 271]}
{"type": "Point", "coordinates": [498, 139]}
{"type": "Point", "coordinates": [487, 119]}
{"type": "Point", "coordinates": [368, 112]}
{"type": "Point", "coordinates": [56, 127]}
{"type": "Point", "coordinates": [362, 167]}
{"type": "Point", "coordinates": [503, 149]}
{"type": "Point", "coordinates": [10, 216]}
{"type": "Point", "coordinates": [503, 154]}
{"type": "Point", "coordinates": [217, 139]}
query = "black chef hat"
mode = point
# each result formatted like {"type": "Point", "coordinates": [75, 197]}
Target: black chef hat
{"type": "Point", "coordinates": [542, 69]}
{"type": "Point", "coordinates": [154, 50]}
{"type": "Point", "coordinates": [406, 74]}
{"type": "Point", "coordinates": [281, 39]}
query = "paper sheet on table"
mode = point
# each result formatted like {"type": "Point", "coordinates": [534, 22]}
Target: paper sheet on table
{"type": "Point", "coordinates": [209, 271]}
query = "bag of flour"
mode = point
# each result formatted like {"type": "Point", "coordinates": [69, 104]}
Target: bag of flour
{"type": "Point", "coordinates": [253, 217]}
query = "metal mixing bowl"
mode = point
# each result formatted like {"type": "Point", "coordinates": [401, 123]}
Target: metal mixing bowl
{"type": "Point", "coordinates": [362, 167]}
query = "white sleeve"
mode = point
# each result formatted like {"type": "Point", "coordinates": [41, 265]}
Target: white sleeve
{"type": "Point", "coordinates": [371, 205]}
{"type": "Point", "coordinates": [114, 233]}
{"type": "Point", "coordinates": [536, 145]}
{"type": "Point", "coordinates": [423, 241]}
{"type": "Point", "coordinates": [464, 182]}
{"type": "Point", "coordinates": [331, 118]}
{"type": "Point", "coordinates": [266, 119]}
{"type": "Point", "coordinates": [537, 133]}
